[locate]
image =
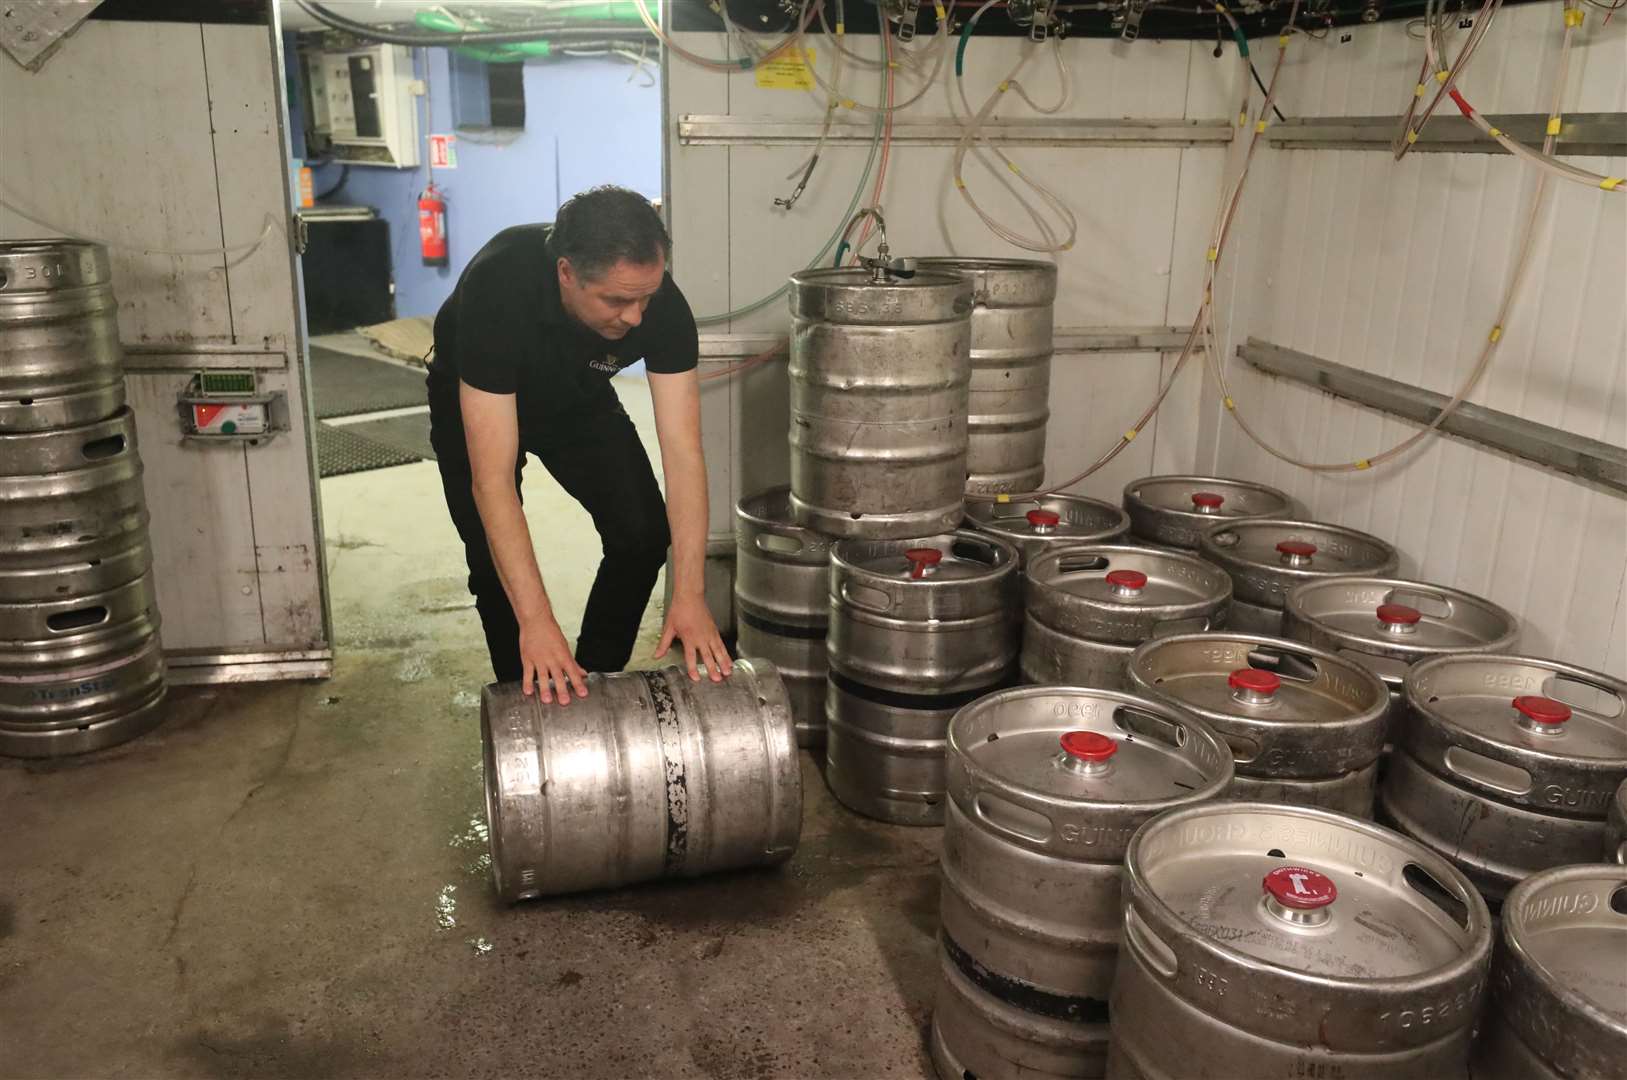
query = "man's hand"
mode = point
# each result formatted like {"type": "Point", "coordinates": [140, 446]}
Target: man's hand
{"type": "Point", "coordinates": [546, 656]}
{"type": "Point", "coordinates": [689, 620]}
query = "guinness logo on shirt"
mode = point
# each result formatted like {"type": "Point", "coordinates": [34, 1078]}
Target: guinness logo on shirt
{"type": "Point", "coordinates": [607, 363]}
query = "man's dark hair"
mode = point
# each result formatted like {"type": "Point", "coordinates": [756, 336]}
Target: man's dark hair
{"type": "Point", "coordinates": [601, 226]}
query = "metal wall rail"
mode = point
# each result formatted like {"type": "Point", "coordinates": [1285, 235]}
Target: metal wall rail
{"type": "Point", "coordinates": [1574, 455]}
{"type": "Point", "coordinates": [696, 130]}
{"type": "Point", "coordinates": [1067, 339]}
{"type": "Point", "coordinates": [1592, 134]}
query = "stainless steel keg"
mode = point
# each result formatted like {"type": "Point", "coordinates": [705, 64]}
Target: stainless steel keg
{"type": "Point", "coordinates": [1268, 557]}
{"type": "Point", "coordinates": [1088, 607]}
{"type": "Point", "coordinates": [782, 602]}
{"type": "Point", "coordinates": [1290, 941]}
{"type": "Point", "coordinates": [1558, 1003]}
{"type": "Point", "coordinates": [918, 628]}
{"type": "Point", "coordinates": [1046, 786]}
{"type": "Point", "coordinates": [1011, 370]}
{"type": "Point", "coordinates": [880, 371]}
{"type": "Point", "coordinates": [651, 775]}
{"type": "Point", "coordinates": [1037, 525]}
{"type": "Point", "coordinates": [1389, 624]}
{"type": "Point", "coordinates": [1175, 510]}
{"type": "Point", "coordinates": [60, 362]}
{"type": "Point", "coordinates": [80, 673]}
{"type": "Point", "coordinates": [1615, 832]}
{"type": "Point", "coordinates": [75, 521]}
{"type": "Point", "coordinates": [1305, 726]}
{"type": "Point", "coordinates": [1507, 764]}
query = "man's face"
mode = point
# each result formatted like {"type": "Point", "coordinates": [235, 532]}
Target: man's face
{"type": "Point", "coordinates": [613, 303]}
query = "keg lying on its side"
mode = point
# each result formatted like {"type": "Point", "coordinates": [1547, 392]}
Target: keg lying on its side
{"type": "Point", "coordinates": [782, 602]}
{"type": "Point", "coordinates": [1174, 511]}
{"type": "Point", "coordinates": [1035, 526]}
{"type": "Point", "coordinates": [1559, 980]}
{"type": "Point", "coordinates": [1047, 785]}
{"type": "Point", "coordinates": [60, 361]}
{"type": "Point", "coordinates": [1268, 557]}
{"type": "Point", "coordinates": [1389, 624]}
{"type": "Point", "coordinates": [1087, 608]}
{"type": "Point", "coordinates": [1615, 833]}
{"type": "Point", "coordinates": [1507, 764]}
{"type": "Point", "coordinates": [1305, 726]}
{"type": "Point", "coordinates": [918, 628]}
{"type": "Point", "coordinates": [651, 775]}
{"type": "Point", "coordinates": [1289, 941]}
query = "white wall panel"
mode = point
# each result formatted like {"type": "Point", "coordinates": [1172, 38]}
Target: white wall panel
{"type": "Point", "coordinates": [1398, 269]}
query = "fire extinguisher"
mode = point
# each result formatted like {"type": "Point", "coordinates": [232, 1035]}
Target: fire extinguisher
{"type": "Point", "coordinates": [432, 226]}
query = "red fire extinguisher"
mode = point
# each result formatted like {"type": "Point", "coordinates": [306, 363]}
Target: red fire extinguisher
{"type": "Point", "coordinates": [432, 226]}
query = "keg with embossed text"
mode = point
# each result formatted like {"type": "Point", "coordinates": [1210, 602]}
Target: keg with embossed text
{"type": "Point", "coordinates": [1268, 558]}
{"type": "Point", "coordinates": [782, 602]}
{"type": "Point", "coordinates": [1389, 624]}
{"type": "Point", "coordinates": [1046, 787]}
{"type": "Point", "coordinates": [1615, 830]}
{"type": "Point", "coordinates": [1305, 726]}
{"type": "Point", "coordinates": [1507, 764]}
{"type": "Point", "coordinates": [1088, 607]}
{"type": "Point", "coordinates": [1174, 511]}
{"type": "Point", "coordinates": [1035, 526]}
{"type": "Point", "coordinates": [1558, 1000]}
{"type": "Point", "coordinates": [880, 369]}
{"type": "Point", "coordinates": [918, 628]}
{"type": "Point", "coordinates": [1291, 941]}
{"type": "Point", "coordinates": [60, 361]}
{"type": "Point", "coordinates": [1010, 394]}
{"type": "Point", "coordinates": [651, 775]}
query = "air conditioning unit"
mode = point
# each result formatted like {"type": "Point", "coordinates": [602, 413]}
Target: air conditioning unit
{"type": "Point", "coordinates": [363, 103]}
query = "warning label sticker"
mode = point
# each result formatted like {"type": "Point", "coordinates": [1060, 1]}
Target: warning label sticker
{"type": "Point", "coordinates": [788, 71]}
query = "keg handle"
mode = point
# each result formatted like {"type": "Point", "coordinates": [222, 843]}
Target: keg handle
{"type": "Point", "coordinates": [857, 596]}
{"type": "Point", "coordinates": [1022, 823]}
{"type": "Point", "coordinates": [1148, 946]}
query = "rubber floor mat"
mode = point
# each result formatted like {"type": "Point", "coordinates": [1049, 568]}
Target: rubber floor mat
{"type": "Point", "coordinates": [346, 384]}
{"type": "Point", "coordinates": [409, 433]}
{"type": "Point", "coordinates": [340, 451]}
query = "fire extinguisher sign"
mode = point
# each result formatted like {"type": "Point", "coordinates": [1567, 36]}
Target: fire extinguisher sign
{"type": "Point", "coordinates": [443, 152]}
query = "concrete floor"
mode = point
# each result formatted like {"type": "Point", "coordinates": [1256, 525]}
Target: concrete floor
{"type": "Point", "coordinates": [287, 880]}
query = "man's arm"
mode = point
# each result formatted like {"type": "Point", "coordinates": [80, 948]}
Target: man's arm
{"type": "Point", "coordinates": [492, 431]}
{"type": "Point", "coordinates": [678, 427]}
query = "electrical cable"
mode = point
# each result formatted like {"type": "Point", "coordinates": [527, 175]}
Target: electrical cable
{"type": "Point", "coordinates": [336, 187]}
{"type": "Point", "coordinates": [732, 67]}
{"type": "Point", "coordinates": [247, 248]}
{"type": "Point", "coordinates": [1510, 294]}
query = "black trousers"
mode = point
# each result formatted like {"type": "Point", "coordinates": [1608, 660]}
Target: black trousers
{"type": "Point", "coordinates": [601, 463]}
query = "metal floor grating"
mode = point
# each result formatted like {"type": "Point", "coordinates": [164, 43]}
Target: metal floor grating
{"type": "Point", "coordinates": [340, 451]}
{"type": "Point", "coordinates": [347, 385]}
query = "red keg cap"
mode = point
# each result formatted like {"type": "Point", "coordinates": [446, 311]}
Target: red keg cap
{"type": "Point", "coordinates": [1541, 710]}
{"type": "Point", "coordinates": [1303, 548]}
{"type": "Point", "coordinates": [1044, 518]}
{"type": "Point", "coordinates": [921, 558]}
{"type": "Point", "coordinates": [1127, 579]}
{"type": "Point", "coordinates": [1398, 615]}
{"type": "Point", "coordinates": [1089, 745]}
{"type": "Point", "coordinates": [1300, 887]}
{"type": "Point", "coordinates": [1249, 678]}
{"type": "Point", "coordinates": [1208, 499]}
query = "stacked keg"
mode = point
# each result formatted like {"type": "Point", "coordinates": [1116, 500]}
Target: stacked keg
{"type": "Point", "coordinates": [1268, 557]}
{"type": "Point", "coordinates": [1174, 511]}
{"type": "Point", "coordinates": [1507, 765]}
{"type": "Point", "coordinates": [1087, 608]}
{"type": "Point", "coordinates": [1305, 726]}
{"type": "Point", "coordinates": [1009, 401]}
{"type": "Point", "coordinates": [918, 628]}
{"type": "Point", "coordinates": [1037, 525]}
{"type": "Point", "coordinates": [1047, 785]}
{"type": "Point", "coordinates": [80, 662]}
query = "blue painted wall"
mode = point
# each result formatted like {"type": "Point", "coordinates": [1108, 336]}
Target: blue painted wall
{"type": "Point", "coordinates": [586, 123]}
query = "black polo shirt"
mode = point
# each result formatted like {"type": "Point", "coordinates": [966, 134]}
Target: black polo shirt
{"type": "Point", "coordinates": [504, 330]}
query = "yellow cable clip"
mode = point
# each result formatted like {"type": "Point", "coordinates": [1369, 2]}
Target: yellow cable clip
{"type": "Point", "coordinates": [849, 103]}
{"type": "Point", "coordinates": [1012, 165]}
{"type": "Point", "coordinates": [1282, 41]}
{"type": "Point", "coordinates": [1554, 124]}
{"type": "Point", "coordinates": [1610, 183]}
{"type": "Point", "coordinates": [959, 183]}
{"type": "Point", "coordinates": [1066, 247]}
{"type": "Point", "coordinates": [1230, 404]}
{"type": "Point", "coordinates": [1003, 87]}
{"type": "Point", "coordinates": [1221, 8]}
{"type": "Point", "coordinates": [1259, 128]}
{"type": "Point", "coordinates": [841, 28]}
{"type": "Point", "coordinates": [1418, 91]}
{"type": "Point", "coordinates": [1364, 464]}
{"type": "Point", "coordinates": [938, 10]}
{"type": "Point", "coordinates": [1493, 132]}
{"type": "Point", "coordinates": [1214, 253]}
{"type": "Point", "coordinates": [1002, 498]}
{"type": "Point", "coordinates": [1573, 17]}
{"type": "Point", "coordinates": [1496, 334]}
{"type": "Point", "coordinates": [1129, 436]}
{"type": "Point", "coordinates": [1412, 137]}
{"type": "Point", "coordinates": [1242, 119]}
{"type": "Point", "coordinates": [1440, 76]}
